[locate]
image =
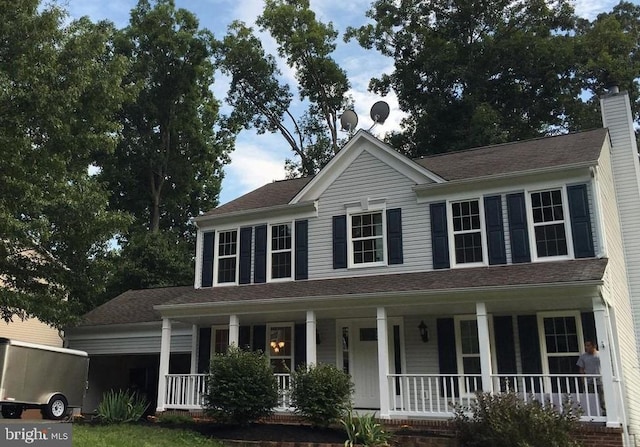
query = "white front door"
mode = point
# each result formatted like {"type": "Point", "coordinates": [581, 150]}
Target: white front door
{"type": "Point", "coordinates": [365, 365]}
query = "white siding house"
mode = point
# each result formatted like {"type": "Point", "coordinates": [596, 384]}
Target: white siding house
{"type": "Point", "coordinates": [426, 280]}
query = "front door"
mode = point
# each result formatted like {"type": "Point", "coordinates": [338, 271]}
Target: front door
{"type": "Point", "coordinates": [365, 365]}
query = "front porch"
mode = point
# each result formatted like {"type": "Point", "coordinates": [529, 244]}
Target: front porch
{"type": "Point", "coordinates": [432, 396]}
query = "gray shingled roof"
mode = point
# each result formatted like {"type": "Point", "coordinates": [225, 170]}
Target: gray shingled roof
{"type": "Point", "coordinates": [136, 306]}
{"type": "Point", "coordinates": [133, 306]}
{"type": "Point", "coordinates": [519, 156]}
{"type": "Point", "coordinates": [272, 194]}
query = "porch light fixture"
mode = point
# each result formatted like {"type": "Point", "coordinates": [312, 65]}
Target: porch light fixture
{"type": "Point", "coordinates": [424, 331]}
{"type": "Point", "coordinates": [276, 345]}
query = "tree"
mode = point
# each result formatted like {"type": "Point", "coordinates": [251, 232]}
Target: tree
{"type": "Point", "coordinates": [60, 86]}
{"type": "Point", "coordinates": [261, 100]}
{"type": "Point", "coordinates": [167, 168]}
{"type": "Point", "coordinates": [471, 73]}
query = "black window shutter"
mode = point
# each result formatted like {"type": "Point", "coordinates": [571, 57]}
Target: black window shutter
{"type": "Point", "coordinates": [394, 236]}
{"type": "Point", "coordinates": [339, 242]}
{"type": "Point", "coordinates": [495, 230]}
{"type": "Point", "coordinates": [529, 346]}
{"type": "Point", "coordinates": [505, 347]}
{"type": "Point", "coordinates": [447, 359]}
{"type": "Point", "coordinates": [439, 235]}
{"type": "Point", "coordinates": [260, 338]}
{"type": "Point", "coordinates": [302, 249]}
{"type": "Point", "coordinates": [245, 255]}
{"type": "Point", "coordinates": [207, 259]}
{"type": "Point", "coordinates": [517, 213]}
{"type": "Point", "coordinates": [588, 326]}
{"type": "Point", "coordinates": [580, 221]}
{"type": "Point", "coordinates": [260, 267]}
{"type": "Point", "coordinates": [204, 349]}
{"type": "Point", "coordinates": [244, 337]}
{"type": "Point", "coordinates": [300, 344]}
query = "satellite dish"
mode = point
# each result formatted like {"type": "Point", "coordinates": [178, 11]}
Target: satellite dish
{"type": "Point", "coordinates": [380, 112]}
{"type": "Point", "coordinates": [349, 120]}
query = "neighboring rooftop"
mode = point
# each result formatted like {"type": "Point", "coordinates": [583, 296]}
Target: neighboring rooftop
{"type": "Point", "coordinates": [544, 152]}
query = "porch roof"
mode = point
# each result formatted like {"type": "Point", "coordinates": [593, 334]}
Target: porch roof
{"type": "Point", "coordinates": [562, 272]}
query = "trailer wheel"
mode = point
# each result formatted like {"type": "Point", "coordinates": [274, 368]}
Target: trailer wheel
{"type": "Point", "coordinates": [11, 411]}
{"type": "Point", "coordinates": [56, 408]}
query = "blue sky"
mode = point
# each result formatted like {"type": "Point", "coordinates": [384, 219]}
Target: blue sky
{"type": "Point", "coordinates": [259, 159]}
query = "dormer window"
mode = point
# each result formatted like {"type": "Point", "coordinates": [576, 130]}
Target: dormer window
{"type": "Point", "coordinates": [281, 255]}
{"type": "Point", "coordinates": [227, 256]}
{"type": "Point", "coordinates": [549, 223]}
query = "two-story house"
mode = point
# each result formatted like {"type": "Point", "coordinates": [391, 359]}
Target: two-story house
{"type": "Point", "coordinates": [426, 280]}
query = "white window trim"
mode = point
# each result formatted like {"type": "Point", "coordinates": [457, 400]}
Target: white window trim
{"type": "Point", "coordinates": [458, 335]}
{"type": "Point", "coordinates": [216, 257]}
{"type": "Point", "coordinates": [567, 225]}
{"type": "Point", "coordinates": [293, 342]}
{"type": "Point", "coordinates": [367, 207]}
{"type": "Point", "coordinates": [214, 330]}
{"type": "Point", "coordinates": [544, 354]}
{"type": "Point", "coordinates": [269, 252]}
{"type": "Point", "coordinates": [451, 235]}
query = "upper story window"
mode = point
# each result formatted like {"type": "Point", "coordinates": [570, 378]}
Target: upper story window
{"type": "Point", "coordinates": [281, 252]}
{"type": "Point", "coordinates": [227, 256]}
{"type": "Point", "coordinates": [549, 223]}
{"type": "Point", "coordinates": [467, 231]}
{"type": "Point", "coordinates": [367, 239]}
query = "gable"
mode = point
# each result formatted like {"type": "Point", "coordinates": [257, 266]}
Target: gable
{"type": "Point", "coordinates": [363, 142]}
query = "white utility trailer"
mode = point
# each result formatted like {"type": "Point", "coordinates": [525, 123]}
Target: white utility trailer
{"type": "Point", "coordinates": [39, 376]}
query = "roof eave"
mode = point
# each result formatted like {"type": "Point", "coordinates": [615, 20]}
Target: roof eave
{"type": "Point", "coordinates": [418, 189]}
{"type": "Point", "coordinates": [271, 211]}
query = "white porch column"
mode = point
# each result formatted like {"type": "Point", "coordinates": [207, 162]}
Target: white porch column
{"type": "Point", "coordinates": [606, 368]}
{"type": "Point", "coordinates": [165, 352]}
{"type": "Point", "coordinates": [234, 331]}
{"type": "Point", "coordinates": [194, 349]}
{"type": "Point", "coordinates": [383, 363]}
{"type": "Point", "coordinates": [312, 357]}
{"type": "Point", "coordinates": [485, 347]}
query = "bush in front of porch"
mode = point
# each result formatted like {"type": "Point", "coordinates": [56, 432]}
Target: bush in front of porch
{"type": "Point", "coordinates": [321, 393]}
{"type": "Point", "coordinates": [506, 420]}
{"type": "Point", "coordinates": [241, 387]}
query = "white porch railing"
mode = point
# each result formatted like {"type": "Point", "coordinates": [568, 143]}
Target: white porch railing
{"type": "Point", "coordinates": [184, 391]}
{"type": "Point", "coordinates": [436, 395]}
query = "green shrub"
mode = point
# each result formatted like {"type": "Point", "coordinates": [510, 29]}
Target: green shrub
{"type": "Point", "coordinates": [175, 419]}
{"type": "Point", "coordinates": [241, 387]}
{"type": "Point", "coordinates": [506, 420]}
{"type": "Point", "coordinates": [322, 393]}
{"type": "Point", "coordinates": [364, 430]}
{"type": "Point", "coordinates": [121, 406]}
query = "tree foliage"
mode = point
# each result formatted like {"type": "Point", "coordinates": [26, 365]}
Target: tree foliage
{"type": "Point", "coordinates": [262, 100]}
{"type": "Point", "coordinates": [471, 73]}
{"type": "Point", "coordinates": [60, 86]}
{"type": "Point", "coordinates": [167, 167]}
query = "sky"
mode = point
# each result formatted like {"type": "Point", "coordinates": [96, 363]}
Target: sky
{"type": "Point", "coordinates": [260, 159]}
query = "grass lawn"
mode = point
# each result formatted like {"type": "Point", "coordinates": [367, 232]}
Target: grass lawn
{"type": "Point", "coordinates": [127, 435]}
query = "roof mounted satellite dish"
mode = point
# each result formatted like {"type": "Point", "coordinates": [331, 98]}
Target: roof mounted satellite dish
{"type": "Point", "coordinates": [349, 120]}
{"type": "Point", "coordinates": [379, 112]}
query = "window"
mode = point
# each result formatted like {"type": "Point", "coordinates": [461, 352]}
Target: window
{"type": "Point", "coordinates": [281, 251]}
{"type": "Point", "coordinates": [280, 348]}
{"type": "Point", "coordinates": [468, 354]}
{"type": "Point", "coordinates": [467, 232]}
{"type": "Point", "coordinates": [227, 256]}
{"type": "Point", "coordinates": [220, 340]}
{"type": "Point", "coordinates": [549, 229]}
{"type": "Point", "coordinates": [561, 346]}
{"type": "Point", "coordinates": [367, 239]}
